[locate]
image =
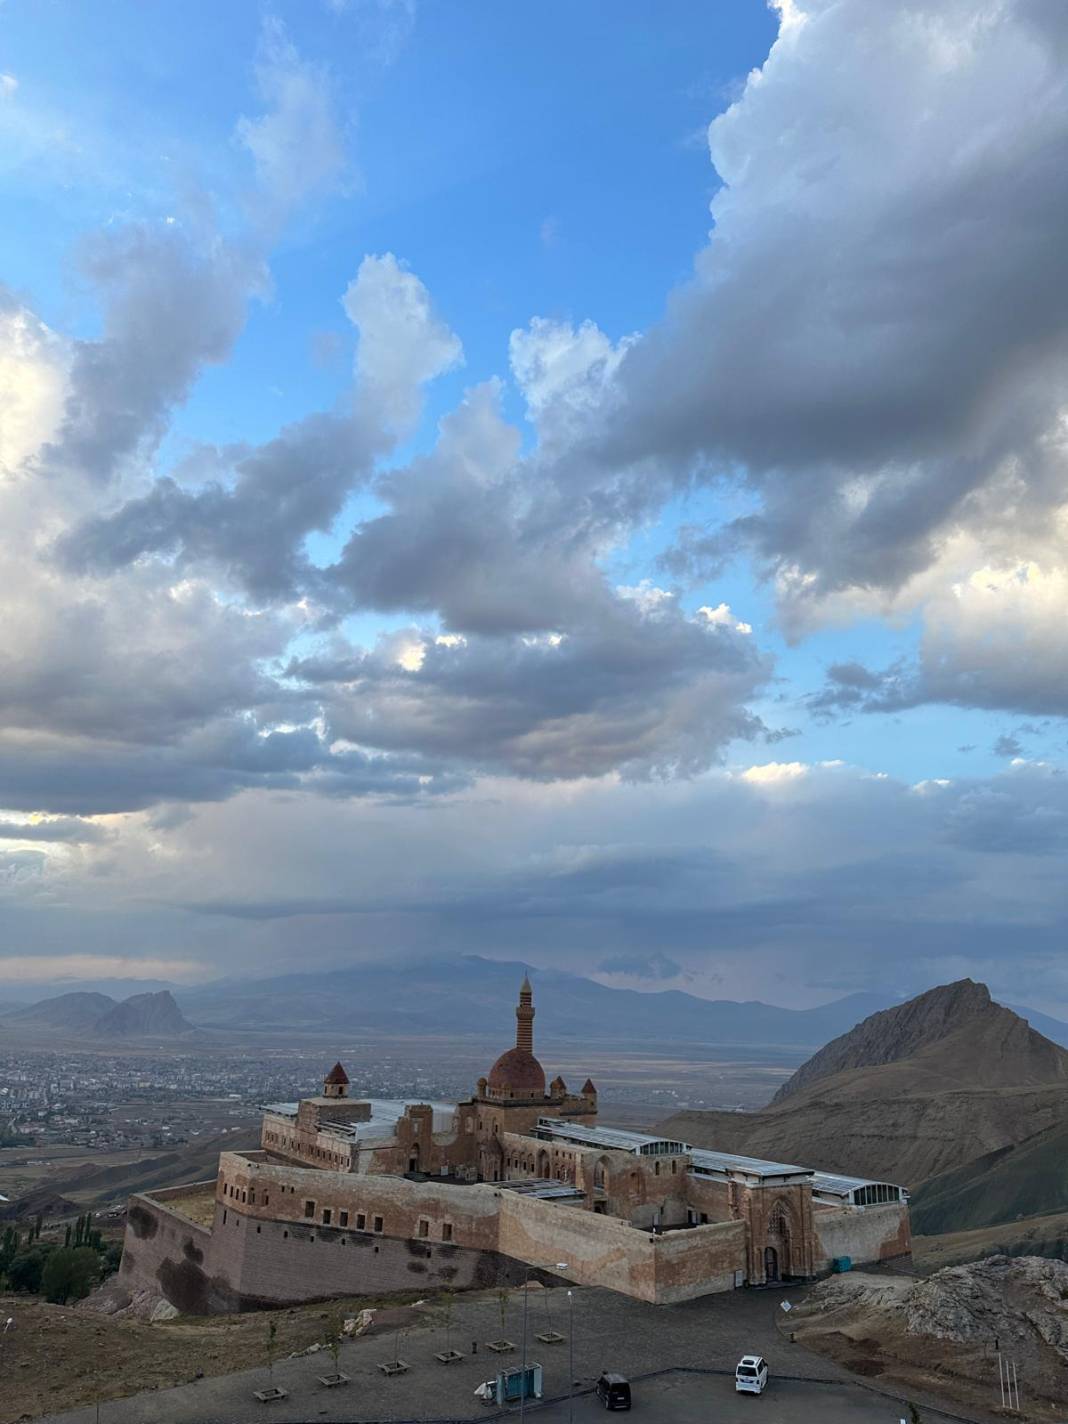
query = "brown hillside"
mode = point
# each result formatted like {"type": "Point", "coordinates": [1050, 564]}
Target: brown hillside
{"type": "Point", "coordinates": [911, 1092]}
{"type": "Point", "coordinates": [993, 1043]}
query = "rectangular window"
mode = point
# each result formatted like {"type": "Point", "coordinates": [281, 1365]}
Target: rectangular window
{"type": "Point", "coordinates": [361, 1221]}
{"type": "Point", "coordinates": [327, 1214]}
{"type": "Point", "coordinates": [309, 1208]}
{"type": "Point", "coordinates": [446, 1231]}
{"type": "Point", "coordinates": [343, 1218]}
{"type": "Point", "coordinates": [378, 1223]}
{"type": "Point", "coordinates": [424, 1227]}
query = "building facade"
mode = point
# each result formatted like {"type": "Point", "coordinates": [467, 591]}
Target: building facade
{"type": "Point", "coordinates": [350, 1195]}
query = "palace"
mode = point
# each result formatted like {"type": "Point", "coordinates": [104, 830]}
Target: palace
{"type": "Point", "coordinates": [349, 1196]}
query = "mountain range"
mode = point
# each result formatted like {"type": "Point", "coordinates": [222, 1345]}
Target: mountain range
{"type": "Point", "coordinates": [469, 995]}
{"type": "Point", "coordinates": [92, 1015]}
{"type": "Point", "coordinates": [475, 995]}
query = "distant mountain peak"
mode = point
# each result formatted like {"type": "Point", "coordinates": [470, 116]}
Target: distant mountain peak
{"type": "Point", "coordinates": [907, 1029]}
{"type": "Point", "coordinates": [144, 1016]}
{"type": "Point", "coordinates": [92, 1015]}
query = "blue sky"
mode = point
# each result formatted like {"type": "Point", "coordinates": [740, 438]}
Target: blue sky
{"type": "Point", "coordinates": [727, 228]}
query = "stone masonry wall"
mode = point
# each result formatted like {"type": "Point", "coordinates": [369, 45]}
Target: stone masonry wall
{"type": "Point", "coordinates": [868, 1234]}
{"type": "Point", "coordinates": [273, 1264]}
{"type": "Point", "coordinates": [700, 1261]}
{"type": "Point", "coordinates": [164, 1253]}
{"type": "Point", "coordinates": [603, 1251]}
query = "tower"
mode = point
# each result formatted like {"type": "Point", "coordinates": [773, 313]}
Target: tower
{"type": "Point", "coordinates": [336, 1083]}
{"type": "Point", "coordinates": [517, 1076]}
{"type": "Point", "coordinates": [524, 1018]}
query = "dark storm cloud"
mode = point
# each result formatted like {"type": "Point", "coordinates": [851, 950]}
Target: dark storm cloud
{"type": "Point", "coordinates": [85, 778]}
{"type": "Point", "coordinates": [987, 819]}
{"type": "Point", "coordinates": [641, 692]}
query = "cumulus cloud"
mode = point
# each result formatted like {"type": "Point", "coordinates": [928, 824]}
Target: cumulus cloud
{"type": "Point", "coordinates": [172, 305]}
{"type": "Point", "coordinates": [875, 341]}
{"type": "Point", "coordinates": [252, 528]}
{"type": "Point", "coordinates": [638, 690]}
{"type": "Point", "coordinates": [403, 343]}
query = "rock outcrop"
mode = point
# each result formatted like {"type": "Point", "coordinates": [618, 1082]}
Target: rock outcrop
{"type": "Point", "coordinates": [949, 1328]}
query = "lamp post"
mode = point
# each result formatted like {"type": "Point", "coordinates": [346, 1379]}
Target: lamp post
{"type": "Point", "coordinates": [570, 1357]}
{"type": "Point", "coordinates": [3, 1333]}
{"type": "Point", "coordinates": [560, 1266]}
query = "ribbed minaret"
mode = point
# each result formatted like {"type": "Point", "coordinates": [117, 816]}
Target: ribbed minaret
{"type": "Point", "coordinates": [524, 1018]}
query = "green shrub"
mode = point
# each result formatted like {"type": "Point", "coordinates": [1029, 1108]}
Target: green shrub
{"type": "Point", "coordinates": [26, 1268]}
{"type": "Point", "coordinates": [70, 1274]}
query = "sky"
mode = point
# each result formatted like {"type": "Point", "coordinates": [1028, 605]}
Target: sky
{"type": "Point", "coordinates": [581, 484]}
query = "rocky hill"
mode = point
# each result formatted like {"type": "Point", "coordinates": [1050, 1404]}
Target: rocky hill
{"type": "Point", "coordinates": [90, 1015]}
{"type": "Point", "coordinates": [1012, 1052]}
{"type": "Point", "coordinates": [1024, 1180]}
{"type": "Point", "coordinates": [909, 1093]}
{"type": "Point", "coordinates": [144, 1016]}
{"type": "Point", "coordinates": [75, 1013]}
{"type": "Point", "coordinates": [942, 1330]}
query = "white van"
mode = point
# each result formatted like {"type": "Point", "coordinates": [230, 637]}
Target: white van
{"type": "Point", "coordinates": [751, 1375]}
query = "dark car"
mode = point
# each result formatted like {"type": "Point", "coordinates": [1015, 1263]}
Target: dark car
{"type": "Point", "coordinates": [614, 1391]}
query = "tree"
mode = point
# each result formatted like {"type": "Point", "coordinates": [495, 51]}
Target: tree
{"type": "Point", "coordinates": [337, 1330]}
{"type": "Point", "coordinates": [272, 1336]}
{"type": "Point", "coordinates": [9, 1245]}
{"type": "Point", "coordinates": [24, 1272]}
{"type": "Point", "coordinates": [70, 1274]}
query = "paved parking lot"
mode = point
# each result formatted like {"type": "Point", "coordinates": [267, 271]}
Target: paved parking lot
{"type": "Point", "coordinates": [703, 1399]}
{"type": "Point", "coordinates": [610, 1332]}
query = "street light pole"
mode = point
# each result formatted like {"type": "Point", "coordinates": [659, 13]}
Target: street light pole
{"type": "Point", "coordinates": [523, 1374]}
{"type": "Point", "coordinates": [570, 1358]}
{"type": "Point", "coordinates": [560, 1266]}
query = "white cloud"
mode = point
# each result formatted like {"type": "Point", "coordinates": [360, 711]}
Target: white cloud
{"type": "Point", "coordinates": [722, 617]}
{"type": "Point", "coordinates": [403, 344]}
{"type": "Point", "coordinates": [55, 968]}
{"type": "Point", "coordinates": [564, 372]}
{"type": "Point", "coordinates": [775, 773]}
{"type": "Point", "coordinates": [296, 144]}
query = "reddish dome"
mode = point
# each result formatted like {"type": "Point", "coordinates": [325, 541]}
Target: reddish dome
{"type": "Point", "coordinates": [336, 1075]}
{"type": "Point", "coordinates": [517, 1073]}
